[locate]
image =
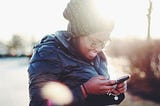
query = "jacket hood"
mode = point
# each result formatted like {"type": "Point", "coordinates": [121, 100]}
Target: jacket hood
{"type": "Point", "coordinates": [64, 37]}
{"type": "Point", "coordinates": [59, 38]}
{"type": "Point", "coordinates": [50, 43]}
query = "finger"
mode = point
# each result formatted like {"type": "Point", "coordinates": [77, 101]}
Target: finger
{"type": "Point", "coordinates": [121, 85]}
{"type": "Point", "coordinates": [122, 90]}
{"type": "Point", "coordinates": [106, 90]}
{"type": "Point", "coordinates": [116, 92]}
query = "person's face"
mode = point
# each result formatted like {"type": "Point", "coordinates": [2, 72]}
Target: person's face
{"type": "Point", "coordinates": [92, 44]}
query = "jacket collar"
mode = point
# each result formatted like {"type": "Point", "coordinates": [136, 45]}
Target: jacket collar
{"type": "Point", "coordinates": [64, 38]}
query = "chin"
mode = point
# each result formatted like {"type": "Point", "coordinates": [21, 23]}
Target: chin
{"type": "Point", "coordinates": [91, 57]}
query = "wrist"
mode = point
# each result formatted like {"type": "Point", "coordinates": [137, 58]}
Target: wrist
{"type": "Point", "coordinates": [85, 93]}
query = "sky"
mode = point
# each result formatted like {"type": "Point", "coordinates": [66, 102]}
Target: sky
{"type": "Point", "coordinates": [35, 18]}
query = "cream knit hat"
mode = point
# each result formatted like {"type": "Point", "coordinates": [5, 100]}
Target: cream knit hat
{"type": "Point", "coordinates": [83, 19]}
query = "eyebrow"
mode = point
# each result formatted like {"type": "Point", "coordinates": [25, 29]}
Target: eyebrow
{"type": "Point", "coordinates": [97, 40]}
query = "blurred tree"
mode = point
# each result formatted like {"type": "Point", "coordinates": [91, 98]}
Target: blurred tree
{"type": "Point", "coordinates": [149, 19]}
{"type": "Point", "coordinates": [15, 45]}
{"type": "Point", "coordinates": [3, 49]}
{"type": "Point", "coordinates": [144, 61]}
{"type": "Point", "coordinates": [31, 45]}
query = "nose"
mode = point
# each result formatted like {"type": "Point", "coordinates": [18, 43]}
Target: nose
{"type": "Point", "coordinates": [97, 50]}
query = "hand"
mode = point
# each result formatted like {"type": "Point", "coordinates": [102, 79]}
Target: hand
{"type": "Point", "coordinates": [99, 85]}
{"type": "Point", "coordinates": [121, 88]}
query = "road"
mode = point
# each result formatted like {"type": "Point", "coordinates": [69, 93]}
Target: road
{"type": "Point", "coordinates": [14, 85]}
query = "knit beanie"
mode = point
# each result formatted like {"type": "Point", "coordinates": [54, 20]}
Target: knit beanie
{"type": "Point", "coordinates": [84, 20]}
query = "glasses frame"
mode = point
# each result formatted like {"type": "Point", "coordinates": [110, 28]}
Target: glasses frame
{"type": "Point", "coordinates": [97, 44]}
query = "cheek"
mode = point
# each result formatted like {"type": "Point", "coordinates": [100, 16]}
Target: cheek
{"type": "Point", "coordinates": [85, 50]}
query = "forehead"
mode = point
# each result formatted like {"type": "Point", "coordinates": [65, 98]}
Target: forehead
{"type": "Point", "coordinates": [100, 36]}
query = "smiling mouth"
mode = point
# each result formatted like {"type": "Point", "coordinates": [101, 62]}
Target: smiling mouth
{"type": "Point", "coordinates": [92, 53]}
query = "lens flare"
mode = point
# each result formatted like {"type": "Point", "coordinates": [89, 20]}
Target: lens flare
{"type": "Point", "coordinates": [57, 93]}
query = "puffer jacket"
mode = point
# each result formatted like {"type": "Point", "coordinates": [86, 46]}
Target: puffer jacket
{"type": "Point", "coordinates": [56, 59]}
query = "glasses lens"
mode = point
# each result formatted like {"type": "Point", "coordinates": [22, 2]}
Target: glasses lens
{"type": "Point", "coordinates": [96, 43]}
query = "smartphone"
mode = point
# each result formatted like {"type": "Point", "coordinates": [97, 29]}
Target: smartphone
{"type": "Point", "coordinates": [122, 79]}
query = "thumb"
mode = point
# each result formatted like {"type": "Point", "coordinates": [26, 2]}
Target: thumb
{"type": "Point", "coordinates": [101, 77]}
{"type": "Point", "coordinates": [110, 82]}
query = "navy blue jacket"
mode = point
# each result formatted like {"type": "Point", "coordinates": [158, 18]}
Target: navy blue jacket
{"type": "Point", "coordinates": [55, 58]}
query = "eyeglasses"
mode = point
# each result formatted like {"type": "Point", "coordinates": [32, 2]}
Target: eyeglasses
{"type": "Point", "coordinates": [97, 43]}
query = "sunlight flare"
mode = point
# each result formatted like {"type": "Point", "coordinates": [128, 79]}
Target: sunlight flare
{"type": "Point", "coordinates": [57, 93]}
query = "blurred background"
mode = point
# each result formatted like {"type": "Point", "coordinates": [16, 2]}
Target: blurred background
{"type": "Point", "coordinates": [134, 49]}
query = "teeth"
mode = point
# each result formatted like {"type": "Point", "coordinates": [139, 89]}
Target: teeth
{"type": "Point", "coordinates": [92, 53]}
